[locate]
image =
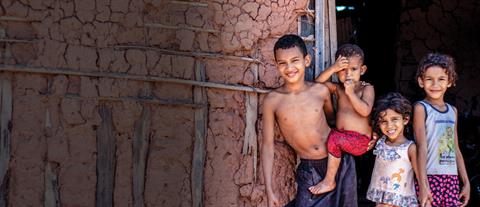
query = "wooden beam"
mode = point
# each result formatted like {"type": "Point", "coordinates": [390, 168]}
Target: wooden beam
{"type": "Point", "coordinates": [141, 140]}
{"type": "Point", "coordinates": [332, 22]}
{"type": "Point", "coordinates": [310, 38]}
{"type": "Point", "coordinates": [306, 11]}
{"type": "Point", "coordinates": [5, 136]}
{"type": "Point", "coordinates": [12, 18]}
{"type": "Point", "coordinates": [52, 189]}
{"type": "Point", "coordinates": [189, 54]}
{"type": "Point", "coordinates": [138, 99]}
{"type": "Point", "coordinates": [190, 3]}
{"type": "Point", "coordinates": [319, 37]}
{"type": "Point", "coordinates": [164, 26]}
{"type": "Point", "coordinates": [198, 161]}
{"type": "Point", "coordinates": [17, 40]}
{"type": "Point", "coordinates": [58, 71]}
{"type": "Point", "coordinates": [106, 159]}
{"type": "Point", "coordinates": [250, 136]}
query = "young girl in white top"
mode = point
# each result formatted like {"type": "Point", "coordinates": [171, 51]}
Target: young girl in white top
{"type": "Point", "coordinates": [440, 162]}
{"type": "Point", "coordinates": [395, 167]}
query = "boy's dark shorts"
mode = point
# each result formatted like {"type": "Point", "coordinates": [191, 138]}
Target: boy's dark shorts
{"type": "Point", "coordinates": [310, 172]}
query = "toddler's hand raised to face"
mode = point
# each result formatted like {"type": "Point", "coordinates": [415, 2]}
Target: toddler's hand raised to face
{"type": "Point", "coordinates": [340, 64]}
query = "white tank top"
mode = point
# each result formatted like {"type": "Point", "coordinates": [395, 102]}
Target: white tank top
{"type": "Point", "coordinates": [392, 179]}
{"type": "Point", "coordinates": [440, 134]}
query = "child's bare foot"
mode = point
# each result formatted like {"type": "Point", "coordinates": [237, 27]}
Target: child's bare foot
{"type": "Point", "coordinates": [322, 187]}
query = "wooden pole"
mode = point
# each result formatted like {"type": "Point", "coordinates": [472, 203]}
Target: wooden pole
{"type": "Point", "coordinates": [319, 37]}
{"type": "Point", "coordinates": [198, 161]}
{"type": "Point", "coordinates": [141, 140]}
{"type": "Point", "coordinates": [332, 21]}
{"type": "Point", "coordinates": [190, 3]}
{"type": "Point", "coordinates": [52, 194]}
{"type": "Point", "coordinates": [17, 41]}
{"type": "Point", "coordinates": [306, 11]}
{"type": "Point", "coordinates": [106, 159]}
{"type": "Point", "coordinates": [5, 137]}
{"type": "Point", "coordinates": [250, 136]}
{"type": "Point", "coordinates": [57, 71]}
{"type": "Point", "coordinates": [164, 26]}
{"type": "Point", "coordinates": [189, 54]}
{"type": "Point", "coordinates": [137, 99]}
{"type": "Point", "coordinates": [12, 18]}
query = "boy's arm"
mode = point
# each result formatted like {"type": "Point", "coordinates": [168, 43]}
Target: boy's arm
{"type": "Point", "coordinates": [362, 105]}
{"type": "Point", "coordinates": [268, 148]}
{"type": "Point", "coordinates": [465, 192]}
{"type": "Point", "coordinates": [421, 141]}
{"type": "Point", "coordinates": [340, 64]}
{"type": "Point", "coordinates": [328, 107]}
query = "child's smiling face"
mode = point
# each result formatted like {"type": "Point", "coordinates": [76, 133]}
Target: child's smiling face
{"type": "Point", "coordinates": [435, 82]}
{"type": "Point", "coordinates": [392, 124]}
{"type": "Point", "coordinates": [291, 64]}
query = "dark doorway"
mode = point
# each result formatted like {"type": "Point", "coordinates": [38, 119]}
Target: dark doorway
{"type": "Point", "coordinates": [394, 36]}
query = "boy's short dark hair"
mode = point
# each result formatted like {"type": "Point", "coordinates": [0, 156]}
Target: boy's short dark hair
{"type": "Point", "coordinates": [394, 101]}
{"type": "Point", "coordinates": [349, 50]}
{"type": "Point", "coordinates": [288, 41]}
{"type": "Point", "coordinates": [441, 60]}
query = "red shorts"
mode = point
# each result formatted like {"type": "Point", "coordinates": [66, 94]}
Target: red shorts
{"type": "Point", "coordinates": [350, 142]}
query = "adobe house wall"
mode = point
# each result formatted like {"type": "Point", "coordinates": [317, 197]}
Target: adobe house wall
{"type": "Point", "coordinates": [63, 125]}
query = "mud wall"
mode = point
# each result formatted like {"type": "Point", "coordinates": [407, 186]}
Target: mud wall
{"type": "Point", "coordinates": [441, 26]}
{"type": "Point", "coordinates": [86, 140]}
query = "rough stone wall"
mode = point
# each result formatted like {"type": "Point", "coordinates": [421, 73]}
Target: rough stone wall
{"type": "Point", "coordinates": [56, 117]}
{"type": "Point", "coordinates": [448, 26]}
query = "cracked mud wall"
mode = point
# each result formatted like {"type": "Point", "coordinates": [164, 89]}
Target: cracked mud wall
{"type": "Point", "coordinates": [56, 118]}
{"type": "Point", "coordinates": [448, 26]}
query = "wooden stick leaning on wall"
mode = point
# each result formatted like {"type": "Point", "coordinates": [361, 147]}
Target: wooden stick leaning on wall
{"type": "Point", "coordinates": [164, 26]}
{"type": "Point", "coordinates": [106, 158]}
{"type": "Point", "coordinates": [58, 71]}
{"type": "Point", "coordinates": [16, 40]}
{"type": "Point", "coordinates": [250, 138]}
{"type": "Point", "coordinates": [141, 142]}
{"type": "Point", "coordinates": [137, 99]}
{"type": "Point", "coordinates": [319, 37]}
{"type": "Point", "coordinates": [188, 54]}
{"type": "Point", "coordinates": [5, 136]}
{"type": "Point", "coordinates": [332, 21]}
{"type": "Point", "coordinates": [13, 18]}
{"type": "Point", "coordinates": [201, 115]}
{"type": "Point", "coordinates": [52, 188]}
{"type": "Point", "coordinates": [190, 3]}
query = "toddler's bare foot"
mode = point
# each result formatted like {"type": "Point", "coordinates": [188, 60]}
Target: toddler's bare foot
{"type": "Point", "coordinates": [322, 187]}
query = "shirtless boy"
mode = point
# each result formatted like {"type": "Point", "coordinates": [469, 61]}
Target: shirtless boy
{"type": "Point", "coordinates": [298, 109]}
{"type": "Point", "coordinates": [355, 100]}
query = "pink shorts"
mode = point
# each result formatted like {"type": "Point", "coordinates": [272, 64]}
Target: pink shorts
{"type": "Point", "coordinates": [445, 190]}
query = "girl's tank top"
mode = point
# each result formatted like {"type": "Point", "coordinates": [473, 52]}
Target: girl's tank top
{"type": "Point", "coordinates": [440, 134]}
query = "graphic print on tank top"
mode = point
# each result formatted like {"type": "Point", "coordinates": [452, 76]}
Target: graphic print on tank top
{"type": "Point", "coordinates": [446, 148]}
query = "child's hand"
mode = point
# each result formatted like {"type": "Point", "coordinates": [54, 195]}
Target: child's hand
{"type": "Point", "coordinates": [349, 87]}
{"type": "Point", "coordinates": [425, 197]}
{"type": "Point", "coordinates": [428, 204]}
{"type": "Point", "coordinates": [340, 64]}
{"type": "Point", "coordinates": [465, 194]}
{"type": "Point", "coordinates": [272, 200]}
{"type": "Point", "coordinates": [372, 142]}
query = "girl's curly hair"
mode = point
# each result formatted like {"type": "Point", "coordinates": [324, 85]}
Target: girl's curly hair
{"type": "Point", "coordinates": [394, 101]}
